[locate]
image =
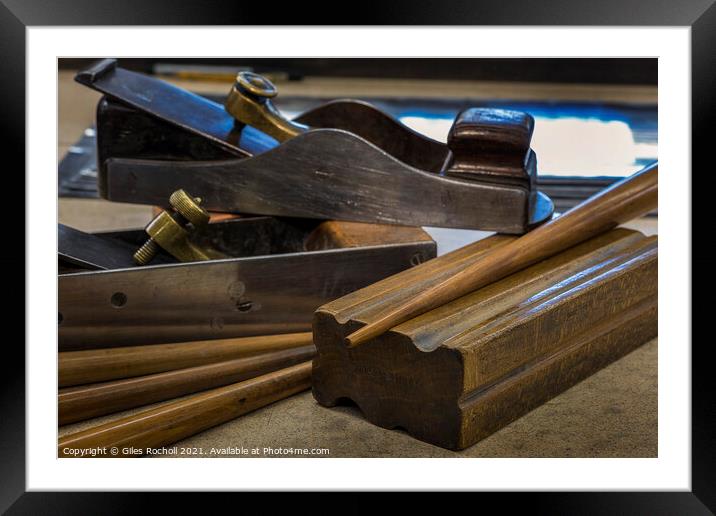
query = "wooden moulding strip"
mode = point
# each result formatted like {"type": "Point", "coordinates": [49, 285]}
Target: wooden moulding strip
{"type": "Point", "coordinates": [88, 401]}
{"type": "Point", "coordinates": [364, 303]}
{"type": "Point", "coordinates": [530, 331]}
{"type": "Point", "coordinates": [464, 370]}
{"type": "Point", "coordinates": [169, 423]}
{"type": "Point", "coordinates": [99, 365]}
{"type": "Point", "coordinates": [487, 410]}
{"type": "Point", "coordinates": [483, 311]}
{"type": "Point", "coordinates": [621, 202]}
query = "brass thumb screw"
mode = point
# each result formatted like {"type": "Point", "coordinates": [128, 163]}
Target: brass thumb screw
{"type": "Point", "coordinates": [168, 230]}
{"type": "Point", "coordinates": [146, 253]}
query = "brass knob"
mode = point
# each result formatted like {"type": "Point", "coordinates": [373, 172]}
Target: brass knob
{"type": "Point", "coordinates": [256, 85]}
{"type": "Point", "coordinates": [170, 231]}
{"type": "Point", "coordinates": [188, 207]}
{"type": "Point", "coordinates": [249, 102]}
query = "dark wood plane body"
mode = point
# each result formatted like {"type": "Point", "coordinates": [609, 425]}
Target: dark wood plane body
{"type": "Point", "coordinates": [356, 163]}
{"type": "Point", "coordinates": [460, 372]}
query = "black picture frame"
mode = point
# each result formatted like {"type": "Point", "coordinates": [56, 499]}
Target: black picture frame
{"type": "Point", "coordinates": [17, 15]}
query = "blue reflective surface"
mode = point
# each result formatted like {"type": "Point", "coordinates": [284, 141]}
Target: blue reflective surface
{"type": "Point", "coordinates": [571, 139]}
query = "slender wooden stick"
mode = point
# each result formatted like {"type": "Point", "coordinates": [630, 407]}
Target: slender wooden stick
{"type": "Point", "coordinates": [133, 435]}
{"type": "Point", "coordinates": [99, 365]}
{"type": "Point", "coordinates": [623, 201]}
{"type": "Point", "coordinates": [87, 401]}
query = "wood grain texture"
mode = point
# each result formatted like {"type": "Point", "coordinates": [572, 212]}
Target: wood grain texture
{"type": "Point", "coordinates": [87, 401]}
{"type": "Point", "coordinates": [99, 365]}
{"type": "Point", "coordinates": [381, 129]}
{"type": "Point", "coordinates": [169, 423]}
{"type": "Point", "coordinates": [459, 372]}
{"type": "Point", "coordinates": [625, 200]}
{"type": "Point", "coordinates": [334, 234]}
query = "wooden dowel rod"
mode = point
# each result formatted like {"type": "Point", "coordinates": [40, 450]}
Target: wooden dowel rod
{"type": "Point", "coordinates": [623, 201]}
{"type": "Point", "coordinates": [88, 401]}
{"type": "Point", "coordinates": [100, 365]}
{"type": "Point", "coordinates": [172, 422]}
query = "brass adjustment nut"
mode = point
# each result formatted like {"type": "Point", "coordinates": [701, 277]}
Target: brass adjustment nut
{"type": "Point", "coordinates": [171, 232]}
{"type": "Point", "coordinates": [256, 85]}
{"type": "Point", "coordinates": [188, 207]}
{"type": "Point", "coordinates": [249, 103]}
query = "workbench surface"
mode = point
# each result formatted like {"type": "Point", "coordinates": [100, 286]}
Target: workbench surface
{"type": "Point", "coordinates": [611, 414]}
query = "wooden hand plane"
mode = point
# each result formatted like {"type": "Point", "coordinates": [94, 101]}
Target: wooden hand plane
{"type": "Point", "coordinates": [344, 160]}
